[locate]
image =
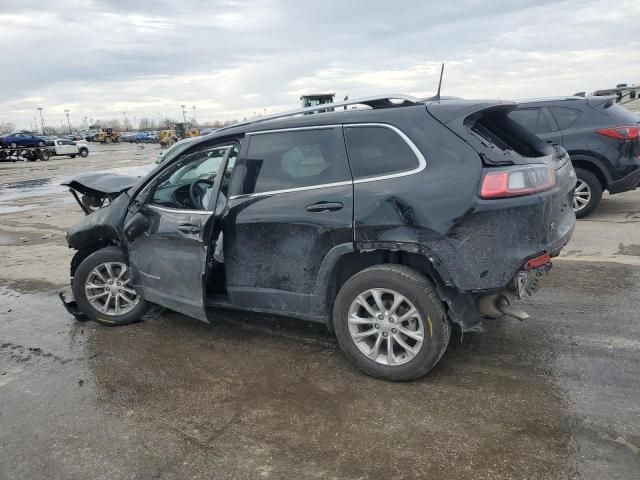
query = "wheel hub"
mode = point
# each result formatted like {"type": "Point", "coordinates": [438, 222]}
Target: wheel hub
{"type": "Point", "coordinates": [386, 326]}
{"type": "Point", "coordinates": [108, 291]}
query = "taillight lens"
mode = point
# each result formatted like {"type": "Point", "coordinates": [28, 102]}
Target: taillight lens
{"type": "Point", "coordinates": [620, 133]}
{"type": "Point", "coordinates": [517, 181]}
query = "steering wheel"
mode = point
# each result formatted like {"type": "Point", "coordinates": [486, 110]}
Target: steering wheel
{"type": "Point", "coordinates": [196, 191]}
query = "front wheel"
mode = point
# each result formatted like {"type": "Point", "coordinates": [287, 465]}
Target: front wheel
{"type": "Point", "coordinates": [84, 152]}
{"type": "Point", "coordinates": [390, 322]}
{"type": "Point", "coordinates": [103, 291]}
{"type": "Point", "coordinates": [587, 194]}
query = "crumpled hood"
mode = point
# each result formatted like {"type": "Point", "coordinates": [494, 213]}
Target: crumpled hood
{"type": "Point", "coordinates": [108, 182]}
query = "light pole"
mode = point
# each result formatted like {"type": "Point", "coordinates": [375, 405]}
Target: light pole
{"type": "Point", "coordinates": [184, 114]}
{"type": "Point", "coordinates": [124, 120]}
{"type": "Point", "coordinates": [195, 121]}
{"type": "Point", "coordinates": [68, 121]}
{"type": "Point", "coordinates": [86, 123]}
{"type": "Point", "coordinates": [41, 120]}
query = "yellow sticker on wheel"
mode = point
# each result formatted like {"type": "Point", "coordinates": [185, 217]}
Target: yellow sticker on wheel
{"type": "Point", "coordinates": [430, 327]}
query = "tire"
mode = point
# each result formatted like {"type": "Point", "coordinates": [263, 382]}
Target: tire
{"type": "Point", "coordinates": [431, 321]}
{"type": "Point", "coordinates": [44, 155]}
{"type": "Point", "coordinates": [107, 140]}
{"type": "Point", "coordinates": [588, 188]}
{"type": "Point", "coordinates": [84, 152]}
{"type": "Point", "coordinates": [41, 144]}
{"type": "Point", "coordinates": [14, 145]}
{"type": "Point", "coordinates": [85, 272]}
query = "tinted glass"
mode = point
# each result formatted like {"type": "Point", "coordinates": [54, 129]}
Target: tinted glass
{"type": "Point", "coordinates": [532, 119]}
{"type": "Point", "coordinates": [565, 117]}
{"type": "Point", "coordinates": [376, 151]}
{"type": "Point", "coordinates": [302, 158]}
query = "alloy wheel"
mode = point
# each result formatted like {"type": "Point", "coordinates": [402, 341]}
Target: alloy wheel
{"type": "Point", "coordinates": [108, 289]}
{"type": "Point", "coordinates": [385, 326]}
{"type": "Point", "coordinates": [581, 195]}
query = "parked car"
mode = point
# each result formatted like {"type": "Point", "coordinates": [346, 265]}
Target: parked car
{"type": "Point", "coordinates": [389, 224]}
{"type": "Point", "coordinates": [75, 137]}
{"type": "Point", "coordinates": [143, 137]}
{"type": "Point", "coordinates": [602, 139]}
{"type": "Point", "coordinates": [22, 139]}
{"type": "Point", "coordinates": [64, 146]}
{"type": "Point", "coordinates": [127, 137]}
{"type": "Point", "coordinates": [90, 135]}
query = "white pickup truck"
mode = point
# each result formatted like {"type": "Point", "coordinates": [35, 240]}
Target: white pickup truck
{"type": "Point", "coordinates": [64, 146]}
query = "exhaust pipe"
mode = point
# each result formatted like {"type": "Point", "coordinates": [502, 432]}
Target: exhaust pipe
{"type": "Point", "coordinates": [497, 305]}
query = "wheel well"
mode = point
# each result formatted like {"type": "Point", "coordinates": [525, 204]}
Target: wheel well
{"type": "Point", "coordinates": [587, 165]}
{"type": "Point", "coordinates": [351, 263]}
{"type": "Point", "coordinates": [85, 251]}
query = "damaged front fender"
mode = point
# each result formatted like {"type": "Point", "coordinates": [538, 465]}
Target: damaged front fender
{"type": "Point", "coordinates": [102, 226]}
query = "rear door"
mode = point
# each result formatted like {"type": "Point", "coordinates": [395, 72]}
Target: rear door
{"type": "Point", "coordinates": [293, 207]}
{"type": "Point", "coordinates": [168, 254]}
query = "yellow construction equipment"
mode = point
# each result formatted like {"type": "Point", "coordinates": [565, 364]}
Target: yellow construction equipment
{"type": "Point", "coordinates": [107, 135]}
{"type": "Point", "coordinates": [179, 132]}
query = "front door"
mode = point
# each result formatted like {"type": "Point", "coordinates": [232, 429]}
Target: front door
{"type": "Point", "coordinates": [169, 253]}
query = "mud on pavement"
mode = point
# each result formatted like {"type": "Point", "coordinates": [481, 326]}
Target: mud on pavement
{"type": "Point", "coordinates": [254, 396]}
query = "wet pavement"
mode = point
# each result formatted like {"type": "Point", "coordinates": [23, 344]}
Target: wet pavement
{"type": "Point", "coordinates": [255, 396]}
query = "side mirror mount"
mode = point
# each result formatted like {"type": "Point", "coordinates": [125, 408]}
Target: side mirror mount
{"type": "Point", "coordinates": [136, 225]}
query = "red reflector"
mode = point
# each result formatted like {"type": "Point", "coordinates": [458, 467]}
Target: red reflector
{"type": "Point", "coordinates": [620, 133]}
{"type": "Point", "coordinates": [538, 261]}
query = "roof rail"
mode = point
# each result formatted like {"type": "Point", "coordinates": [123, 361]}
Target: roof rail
{"type": "Point", "coordinates": [378, 101]}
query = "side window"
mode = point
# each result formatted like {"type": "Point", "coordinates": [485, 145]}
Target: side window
{"type": "Point", "coordinates": [294, 159]}
{"type": "Point", "coordinates": [188, 185]}
{"type": "Point", "coordinates": [375, 151]}
{"type": "Point", "coordinates": [565, 116]}
{"type": "Point", "coordinates": [532, 119]}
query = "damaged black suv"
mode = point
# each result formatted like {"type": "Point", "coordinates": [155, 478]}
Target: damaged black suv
{"type": "Point", "coordinates": [390, 223]}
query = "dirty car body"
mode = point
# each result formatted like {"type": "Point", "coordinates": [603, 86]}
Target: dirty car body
{"type": "Point", "coordinates": [303, 211]}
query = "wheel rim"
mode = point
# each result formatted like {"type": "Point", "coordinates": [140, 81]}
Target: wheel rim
{"type": "Point", "coordinates": [581, 195]}
{"type": "Point", "coordinates": [108, 289]}
{"type": "Point", "coordinates": [385, 326]}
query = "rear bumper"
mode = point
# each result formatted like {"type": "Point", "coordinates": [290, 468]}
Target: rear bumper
{"type": "Point", "coordinates": [626, 183]}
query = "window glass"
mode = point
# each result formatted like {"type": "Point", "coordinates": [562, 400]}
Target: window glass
{"type": "Point", "coordinates": [565, 117]}
{"type": "Point", "coordinates": [532, 119]}
{"type": "Point", "coordinates": [301, 158]}
{"type": "Point", "coordinates": [375, 151]}
{"type": "Point", "coordinates": [198, 170]}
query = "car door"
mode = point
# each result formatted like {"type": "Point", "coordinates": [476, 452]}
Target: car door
{"type": "Point", "coordinates": [65, 147]}
{"type": "Point", "coordinates": [169, 229]}
{"type": "Point", "coordinates": [292, 206]}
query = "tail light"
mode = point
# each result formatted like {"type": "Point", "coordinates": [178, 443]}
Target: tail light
{"type": "Point", "coordinates": [620, 133]}
{"type": "Point", "coordinates": [538, 261]}
{"type": "Point", "coordinates": [517, 181]}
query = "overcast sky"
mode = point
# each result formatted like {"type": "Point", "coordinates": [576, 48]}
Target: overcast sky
{"type": "Point", "coordinates": [233, 58]}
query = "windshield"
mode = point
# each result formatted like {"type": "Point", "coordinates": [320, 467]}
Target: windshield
{"type": "Point", "coordinates": [172, 152]}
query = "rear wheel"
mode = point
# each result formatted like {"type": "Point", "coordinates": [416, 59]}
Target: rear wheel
{"type": "Point", "coordinates": [587, 194]}
{"type": "Point", "coordinates": [102, 289]}
{"type": "Point", "coordinates": [107, 140]}
{"type": "Point", "coordinates": [84, 152]}
{"type": "Point", "coordinates": [390, 322]}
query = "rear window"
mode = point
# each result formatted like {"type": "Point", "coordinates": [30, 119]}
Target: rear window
{"type": "Point", "coordinates": [496, 127]}
{"type": "Point", "coordinates": [565, 116]}
{"type": "Point", "coordinates": [295, 159]}
{"type": "Point", "coordinates": [375, 151]}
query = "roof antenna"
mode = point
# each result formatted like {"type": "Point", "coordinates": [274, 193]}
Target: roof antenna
{"type": "Point", "coordinates": [437, 96]}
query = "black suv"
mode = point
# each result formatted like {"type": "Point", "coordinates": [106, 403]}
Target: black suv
{"type": "Point", "coordinates": [388, 223]}
{"type": "Point", "coordinates": [602, 139]}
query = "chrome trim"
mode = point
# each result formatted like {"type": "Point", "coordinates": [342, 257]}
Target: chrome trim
{"type": "Point", "coordinates": [422, 162]}
{"type": "Point", "coordinates": [176, 210]}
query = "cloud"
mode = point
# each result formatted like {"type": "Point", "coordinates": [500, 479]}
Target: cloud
{"type": "Point", "coordinates": [232, 58]}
